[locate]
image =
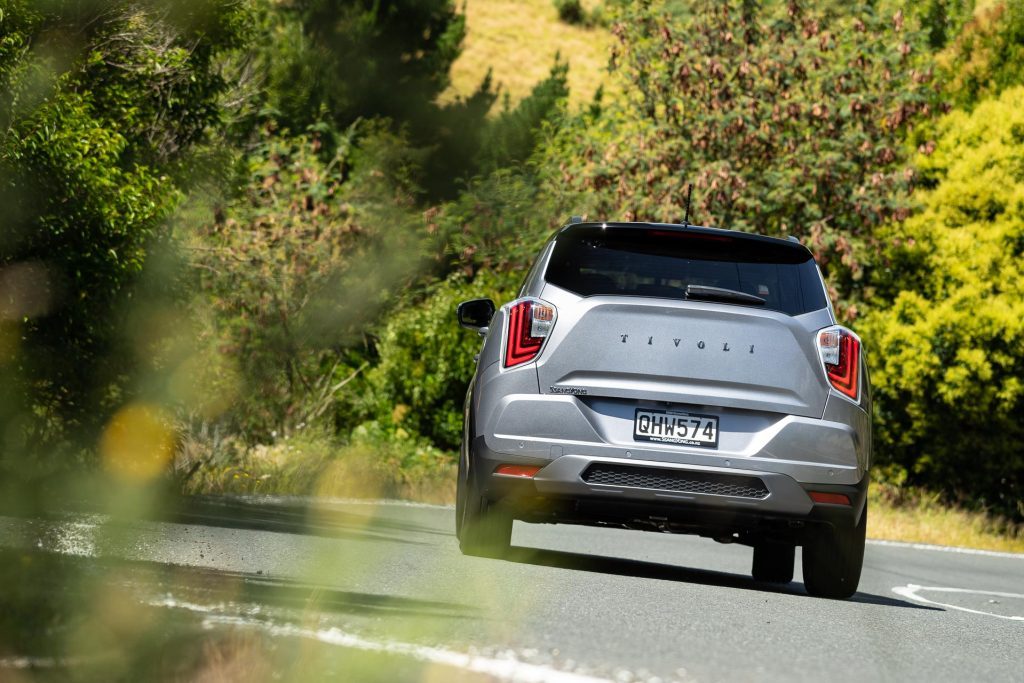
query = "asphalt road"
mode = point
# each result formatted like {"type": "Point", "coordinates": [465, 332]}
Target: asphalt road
{"type": "Point", "coordinates": [570, 604]}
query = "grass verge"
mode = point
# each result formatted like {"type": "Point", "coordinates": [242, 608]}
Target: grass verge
{"type": "Point", "coordinates": [316, 464]}
{"type": "Point", "coordinates": [914, 516]}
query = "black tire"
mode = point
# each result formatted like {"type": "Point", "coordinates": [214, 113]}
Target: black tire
{"type": "Point", "coordinates": [773, 562]}
{"type": "Point", "coordinates": [833, 560]}
{"type": "Point", "coordinates": [460, 499]}
{"type": "Point", "coordinates": [484, 529]}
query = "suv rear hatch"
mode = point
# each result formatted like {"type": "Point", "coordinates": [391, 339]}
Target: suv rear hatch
{"type": "Point", "coordinates": [685, 315]}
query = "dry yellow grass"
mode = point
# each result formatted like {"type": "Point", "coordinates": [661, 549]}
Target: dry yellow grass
{"type": "Point", "coordinates": [518, 39]}
{"type": "Point", "coordinates": [924, 520]}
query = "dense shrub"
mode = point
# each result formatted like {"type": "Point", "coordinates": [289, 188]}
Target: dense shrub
{"type": "Point", "coordinates": [947, 349]}
{"type": "Point", "coordinates": [787, 120]}
{"type": "Point", "coordinates": [426, 360]}
{"type": "Point", "coordinates": [571, 11]}
{"type": "Point", "coordinates": [988, 56]}
{"type": "Point", "coordinates": [295, 270]}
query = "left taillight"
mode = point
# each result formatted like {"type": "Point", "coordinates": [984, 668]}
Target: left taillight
{"type": "Point", "coordinates": [839, 349]}
{"type": "Point", "coordinates": [529, 323]}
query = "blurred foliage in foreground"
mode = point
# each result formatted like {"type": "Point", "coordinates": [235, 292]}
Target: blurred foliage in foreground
{"type": "Point", "coordinates": [236, 225]}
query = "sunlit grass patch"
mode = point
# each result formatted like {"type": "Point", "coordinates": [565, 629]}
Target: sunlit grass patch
{"type": "Point", "coordinates": [900, 514]}
{"type": "Point", "coordinates": [518, 39]}
{"type": "Point", "coordinates": [315, 463]}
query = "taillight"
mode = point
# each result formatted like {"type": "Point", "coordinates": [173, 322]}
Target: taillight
{"type": "Point", "coordinates": [529, 323]}
{"type": "Point", "coordinates": [840, 353]}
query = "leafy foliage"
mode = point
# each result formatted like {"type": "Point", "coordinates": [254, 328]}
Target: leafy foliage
{"type": "Point", "coordinates": [404, 51]}
{"type": "Point", "coordinates": [947, 355]}
{"type": "Point", "coordinates": [419, 384]}
{"type": "Point", "coordinates": [426, 361]}
{"type": "Point", "coordinates": [299, 266]}
{"type": "Point", "coordinates": [103, 107]}
{"type": "Point", "coordinates": [511, 138]}
{"type": "Point", "coordinates": [988, 56]}
{"type": "Point", "coordinates": [788, 121]}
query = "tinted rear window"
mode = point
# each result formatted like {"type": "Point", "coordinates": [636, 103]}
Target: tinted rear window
{"type": "Point", "coordinates": [661, 263]}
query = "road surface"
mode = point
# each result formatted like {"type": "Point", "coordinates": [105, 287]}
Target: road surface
{"type": "Point", "coordinates": [571, 604]}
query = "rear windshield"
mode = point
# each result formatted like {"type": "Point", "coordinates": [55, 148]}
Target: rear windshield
{"type": "Point", "coordinates": [661, 263]}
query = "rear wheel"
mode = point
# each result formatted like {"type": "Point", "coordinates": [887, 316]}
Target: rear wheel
{"type": "Point", "coordinates": [483, 528]}
{"type": "Point", "coordinates": [460, 499]}
{"type": "Point", "coordinates": [773, 562]}
{"type": "Point", "coordinates": [832, 561]}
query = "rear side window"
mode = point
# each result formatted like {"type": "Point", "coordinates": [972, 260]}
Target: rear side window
{"type": "Point", "coordinates": [593, 261]}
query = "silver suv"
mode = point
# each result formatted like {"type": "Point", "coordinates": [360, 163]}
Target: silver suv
{"type": "Point", "coordinates": [677, 379]}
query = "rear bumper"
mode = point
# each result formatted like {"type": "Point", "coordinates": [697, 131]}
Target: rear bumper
{"type": "Point", "coordinates": [831, 449]}
{"type": "Point", "coordinates": [559, 492]}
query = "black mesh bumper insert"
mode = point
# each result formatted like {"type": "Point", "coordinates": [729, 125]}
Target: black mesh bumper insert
{"type": "Point", "coordinates": [675, 480]}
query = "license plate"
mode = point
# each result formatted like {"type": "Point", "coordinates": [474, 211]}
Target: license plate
{"type": "Point", "coordinates": [684, 429]}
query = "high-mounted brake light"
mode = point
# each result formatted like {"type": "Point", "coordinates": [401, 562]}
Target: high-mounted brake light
{"type": "Point", "coordinates": [840, 354]}
{"type": "Point", "coordinates": [529, 323]}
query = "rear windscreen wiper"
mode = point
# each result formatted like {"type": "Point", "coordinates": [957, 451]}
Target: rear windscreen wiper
{"type": "Point", "coordinates": [706, 293]}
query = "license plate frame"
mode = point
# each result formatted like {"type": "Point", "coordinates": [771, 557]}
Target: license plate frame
{"type": "Point", "coordinates": [676, 419]}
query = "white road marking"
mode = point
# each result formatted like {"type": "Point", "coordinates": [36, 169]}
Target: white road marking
{"type": "Point", "coordinates": [947, 549]}
{"type": "Point", "coordinates": [910, 591]}
{"type": "Point", "coordinates": [507, 669]}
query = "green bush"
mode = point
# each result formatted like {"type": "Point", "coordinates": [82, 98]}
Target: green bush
{"type": "Point", "coordinates": [946, 348]}
{"type": "Point", "coordinates": [292, 272]}
{"type": "Point", "coordinates": [571, 11]}
{"type": "Point", "coordinates": [426, 361]}
{"type": "Point", "coordinates": [988, 55]}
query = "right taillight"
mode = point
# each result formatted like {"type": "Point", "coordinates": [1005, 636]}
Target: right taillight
{"type": "Point", "coordinates": [529, 323]}
{"type": "Point", "coordinates": [840, 354]}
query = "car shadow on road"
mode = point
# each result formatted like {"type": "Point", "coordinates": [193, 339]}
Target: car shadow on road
{"type": "Point", "coordinates": [206, 589]}
{"type": "Point", "coordinates": [295, 517]}
{"type": "Point", "coordinates": [665, 572]}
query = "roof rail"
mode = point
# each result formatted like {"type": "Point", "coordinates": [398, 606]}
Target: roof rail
{"type": "Point", "coordinates": [793, 238]}
{"type": "Point", "coordinates": [576, 219]}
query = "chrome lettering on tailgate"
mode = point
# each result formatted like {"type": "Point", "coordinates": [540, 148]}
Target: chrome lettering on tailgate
{"type": "Point", "coordinates": [575, 391]}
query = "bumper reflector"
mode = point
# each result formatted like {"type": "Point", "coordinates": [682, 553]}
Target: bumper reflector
{"type": "Point", "coordinates": [831, 498]}
{"type": "Point", "coordinates": [517, 470]}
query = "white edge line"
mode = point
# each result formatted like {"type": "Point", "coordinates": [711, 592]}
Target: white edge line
{"type": "Point", "coordinates": [509, 669]}
{"type": "Point", "coordinates": [910, 591]}
{"type": "Point", "coordinates": [947, 549]}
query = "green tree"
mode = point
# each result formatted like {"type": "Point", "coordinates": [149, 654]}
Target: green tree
{"type": "Point", "coordinates": [511, 138]}
{"type": "Point", "coordinates": [103, 106]}
{"type": "Point", "coordinates": [946, 332]}
{"type": "Point", "coordinates": [787, 120]}
{"type": "Point", "coordinates": [342, 60]}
